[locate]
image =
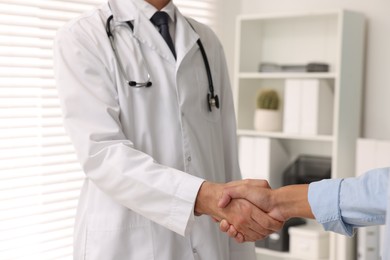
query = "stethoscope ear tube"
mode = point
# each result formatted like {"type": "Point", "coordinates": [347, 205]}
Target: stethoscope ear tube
{"type": "Point", "coordinates": [133, 84]}
{"type": "Point", "coordinates": [108, 26]}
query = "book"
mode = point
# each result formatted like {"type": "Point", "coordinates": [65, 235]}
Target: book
{"type": "Point", "coordinates": [309, 67]}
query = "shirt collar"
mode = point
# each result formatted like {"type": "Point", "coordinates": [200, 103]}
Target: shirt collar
{"type": "Point", "coordinates": [127, 10]}
{"type": "Point", "coordinates": [148, 10]}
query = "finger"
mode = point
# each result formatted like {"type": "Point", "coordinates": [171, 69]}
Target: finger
{"type": "Point", "coordinates": [232, 232]}
{"type": "Point", "coordinates": [232, 192]}
{"type": "Point", "coordinates": [253, 235]}
{"type": "Point", "coordinates": [264, 223]}
{"type": "Point", "coordinates": [255, 183]}
{"type": "Point", "coordinates": [224, 200]}
{"type": "Point", "coordinates": [264, 184]}
{"type": "Point", "coordinates": [244, 222]}
{"type": "Point", "coordinates": [224, 225]}
{"type": "Point", "coordinates": [251, 231]}
{"type": "Point", "coordinates": [256, 227]}
{"type": "Point", "coordinates": [215, 219]}
{"type": "Point", "coordinates": [246, 189]}
{"type": "Point", "coordinates": [240, 238]}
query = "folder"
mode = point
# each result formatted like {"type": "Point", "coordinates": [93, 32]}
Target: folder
{"type": "Point", "coordinates": [308, 107]}
{"type": "Point", "coordinates": [292, 106]}
{"type": "Point", "coordinates": [316, 107]}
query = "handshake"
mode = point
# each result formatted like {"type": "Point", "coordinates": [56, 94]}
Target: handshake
{"type": "Point", "coordinates": [249, 210]}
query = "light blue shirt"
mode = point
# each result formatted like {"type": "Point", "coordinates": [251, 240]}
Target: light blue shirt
{"type": "Point", "coordinates": [341, 205]}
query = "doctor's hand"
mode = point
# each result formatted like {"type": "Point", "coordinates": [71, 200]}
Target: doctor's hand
{"type": "Point", "coordinates": [249, 221]}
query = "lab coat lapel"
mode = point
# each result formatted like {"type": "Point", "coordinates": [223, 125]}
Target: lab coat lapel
{"type": "Point", "coordinates": [147, 34]}
{"type": "Point", "coordinates": [185, 39]}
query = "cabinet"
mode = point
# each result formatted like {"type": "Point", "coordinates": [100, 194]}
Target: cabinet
{"type": "Point", "coordinates": [334, 37]}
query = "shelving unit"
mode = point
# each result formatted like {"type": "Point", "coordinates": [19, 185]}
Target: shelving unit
{"type": "Point", "coordinates": [334, 37]}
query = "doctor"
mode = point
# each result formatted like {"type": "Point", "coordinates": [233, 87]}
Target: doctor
{"type": "Point", "coordinates": [148, 130]}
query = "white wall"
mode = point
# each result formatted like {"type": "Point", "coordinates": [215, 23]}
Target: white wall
{"type": "Point", "coordinates": [227, 13]}
{"type": "Point", "coordinates": [376, 102]}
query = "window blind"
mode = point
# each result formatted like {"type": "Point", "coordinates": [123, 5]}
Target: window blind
{"type": "Point", "coordinates": [40, 178]}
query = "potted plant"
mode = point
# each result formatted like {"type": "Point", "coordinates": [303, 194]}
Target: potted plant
{"type": "Point", "coordinates": [268, 116]}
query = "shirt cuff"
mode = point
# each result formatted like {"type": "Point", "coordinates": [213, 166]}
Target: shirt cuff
{"type": "Point", "coordinates": [182, 214]}
{"type": "Point", "coordinates": [324, 200]}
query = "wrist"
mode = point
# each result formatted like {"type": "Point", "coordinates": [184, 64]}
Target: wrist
{"type": "Point", "coordinates": [207, 198]}
{"type": "Point", "coordinates": [279, 208]}
{"type": "Point", "coordinates": [292, 201]}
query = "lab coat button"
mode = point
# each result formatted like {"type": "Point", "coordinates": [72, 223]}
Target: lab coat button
{"type": "Point", "coordinates": [194, 251]}
{"type": "Point", "coordinates": [189, 158]}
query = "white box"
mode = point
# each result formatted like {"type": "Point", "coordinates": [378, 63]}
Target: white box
{"type": "Point", "coordinates": [309, 242]}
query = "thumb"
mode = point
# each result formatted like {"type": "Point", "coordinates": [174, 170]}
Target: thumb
{"type": "Point", "coordinates": [224, 200]}
{"type": "Point", "coordinates": [229, 193]}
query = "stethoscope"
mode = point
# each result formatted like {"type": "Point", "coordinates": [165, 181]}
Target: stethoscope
{"type": "Point", "coordinates": [212, 99]}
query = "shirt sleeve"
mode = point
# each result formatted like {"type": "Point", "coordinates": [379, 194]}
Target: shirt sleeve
{"type": "Point", "coordinates": [341, 205]}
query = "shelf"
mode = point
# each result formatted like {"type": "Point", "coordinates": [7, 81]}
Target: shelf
{"type": "Point", "coordinates": [275, 16]}
{"type": "Point", "coordinates": [287, 75]}
{"type": "Point", "coordinates": [278, 254]}
{"type": "Point", "coordinates": [280, 135]}
{"type": "Point", "coordinates": [268, 252]}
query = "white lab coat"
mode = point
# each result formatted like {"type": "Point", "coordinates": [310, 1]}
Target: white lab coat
{"type": "Point", "coordinates": [145, 151]}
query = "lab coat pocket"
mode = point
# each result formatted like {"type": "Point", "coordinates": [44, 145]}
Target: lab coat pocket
{"type": "Point", "coordinates": [125, 241]}
{"type": "Point", "coordinates": [203, 86]}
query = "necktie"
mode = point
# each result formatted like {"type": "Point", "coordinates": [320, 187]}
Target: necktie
{"type": "Point", "coordinates": [160, 19]}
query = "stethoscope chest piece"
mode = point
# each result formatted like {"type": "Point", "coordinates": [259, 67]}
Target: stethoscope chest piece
{"type": "Point", "coordinates": [212, 101]}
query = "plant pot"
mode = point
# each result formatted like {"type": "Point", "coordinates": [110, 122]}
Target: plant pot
{"type": "Point", "coordinates": [268, 120]}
